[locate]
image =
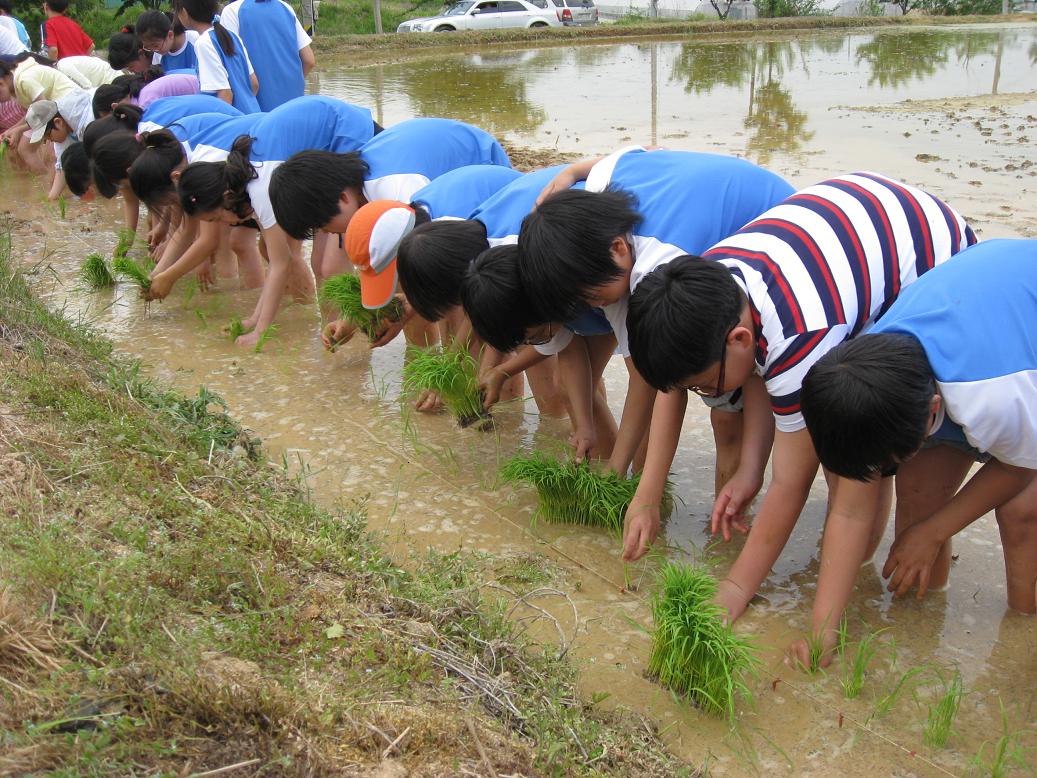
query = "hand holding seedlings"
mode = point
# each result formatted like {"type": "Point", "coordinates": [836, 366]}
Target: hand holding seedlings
{"type": "Point", "coordinates": [490, 383]}
{"type": "Point", "coordinates": [640, 529]}
{"type": "Point", "coordinates": [911, 559]}
{"type": "Point", "coordinates": [731, 503]}
{"type": "Point", "coordinates": [583, 443]}
{"type": "Point", "coordinates": [161, 286]}
{"type": "Point", "coordinates": [343, 291]}
{"type": "Point", "coordinates": [337, 333]}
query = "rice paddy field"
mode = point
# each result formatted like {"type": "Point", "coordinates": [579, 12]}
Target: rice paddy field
{"type": "Point", "coordinates": [938, 687]}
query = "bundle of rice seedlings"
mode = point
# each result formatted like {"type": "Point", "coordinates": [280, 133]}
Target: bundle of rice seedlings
{"type": "Point", "coordinates": [133, 271]}
{"type": "Point", "coordinates": [266, 335]}
{"type": "Point", "coordinates": [235, 329]}
{"type": "Point", "coordinates": [124, 244]}
{"type": "Point", "coordinates": [452, 374]}
{"type": "Point", "coordinates": [571, 493]}
{"type": "Point", "coordinates": [694, 652]}
{"type": "Point", "coordinates": [343, 291]}
{"type": "Point", "coordinates": [96, 273]}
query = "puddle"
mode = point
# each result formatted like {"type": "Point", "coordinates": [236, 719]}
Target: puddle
{"type": "Point", "coordinates": [430, 485]}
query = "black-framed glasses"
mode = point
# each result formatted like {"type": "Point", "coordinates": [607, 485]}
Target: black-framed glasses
{"type": "Point", "coordinates": [540, 340]}
{"type": "Point", "coordinates": [718, 390]}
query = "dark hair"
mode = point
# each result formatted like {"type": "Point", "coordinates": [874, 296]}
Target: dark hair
{"type": "Point", "coordinates": [75, 165]}
{"type": "Point", "coordinates": [124, 118]}
{"type": "Point", "coordinates": [432, 260]}
{"type": "Point", "coordinates": [38, 58]}
{"type": "Point", "coordinates": [678, 318]}
{"type": "Point", "coordinates": [111, 158]}
{"type": "Point", "coordinates": [565, 247]}
{"type": "Point", "coordinates": [124, 47]}
{"type": "Point", "coordinates": [205, 11]}
{"type": "Point", "coordinates": [5, 6]}
{"type": "Point", "coordinates": [866, 404]}
{"type": "Point", "coordinates": [106, 94]}
{"type": "Point", "coordinates": [157, 24]}
{"type": "Point", "coordinates": [305, 189]}
{"type": "Point", "coordinates": [57, 6]}
{"type": "Point", "coordinates": [207, 186]}
{"type": "Point", "coordinates": [495, 300]}
{"type": "Point", "coordinates": [150, 174]}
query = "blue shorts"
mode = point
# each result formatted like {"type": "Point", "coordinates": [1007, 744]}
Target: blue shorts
{"type": "Point", "coordinates": [593, 322]}
{"type": "Point", "coordinates": [951, 434]}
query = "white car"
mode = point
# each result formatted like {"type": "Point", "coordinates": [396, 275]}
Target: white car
{"type": "Point", "coordinates": [485, 15]}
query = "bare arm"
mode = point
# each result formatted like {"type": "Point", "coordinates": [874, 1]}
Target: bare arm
{"type": "Point", "coordinates": [226, 95]}
{"type": "Point", "coordinates": [255, 83]}
{"type": "Point", "coordinates": [279, 252]}
{"type": "Point", "coordinates": [577, 171]}
{"type": "Point", "coordinates": [57, 186]}
{"type": "Point", "coordinates": [308, 60]}
{"type": "Point", "coordinates": [492, 378]}
{"type": "Point", "coordinates": [574, 367]}
{"type": "Point", "coordinates": [641, 524]}
{"type": "Point", "coordinates": [197, 253]}
{"type": "Point", "coordinates": [130, 207]}
{"type": "Point", "coordinates": [637, 414]}
{"type": "Point", "coordinates": [794, 467]}
{"type": "Point", "coordinates": [52, 53]}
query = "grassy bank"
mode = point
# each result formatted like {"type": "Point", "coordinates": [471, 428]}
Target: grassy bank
{"type": "Point", "coordinates": [175, 605]}
{"type": "Point", "coordinates": [396, 43]}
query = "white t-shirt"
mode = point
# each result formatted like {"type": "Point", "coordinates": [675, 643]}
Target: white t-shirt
{"type": "Point", "coordinates": [76, 108]}
{"type": "Point", "coordinates": [10, 45]}
{"type": "Point", "coordinates": [212, 75]}
{"type": "Point", "coordinates": [229, 19]}
{"type": "Point", "coordinates": [88, 72]}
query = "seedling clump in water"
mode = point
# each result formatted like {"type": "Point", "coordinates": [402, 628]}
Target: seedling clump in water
{"type": "Point", "coordinates": [133, 271]}
{"type": "Point", "coordinates": [343, 291]}
{"type": "Point", "coordinates": [96, 273]}
{"type": "Point", "coordinates": [452, 374]}
{"type": "Point", "coordinates": [124, 244]}
{"type": "Point", "coordinates": [236, 329]}
{"type": "Point", "coordinates": [938, 726]}
{"type": "Point", "coordinates": [694, 652]}
{"type": "Point", "coordinates": [854, 680]}
{"type": "Point", "coordinates": [268, 333]}
{"type": "Point", "coordinates": [571, 493]}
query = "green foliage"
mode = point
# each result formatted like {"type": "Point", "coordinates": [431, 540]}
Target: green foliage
{"type": "Point", "coordinates": [267, 334]}
{"type": "Point", "coordinates": [571, 493]}
{"type": "Point", "coordinates": [772, 9]}
{"type": "Point", "coordinates": [343, 291]}
{"type": "Point", "coordinates": [124, 243]}
{"type": "Point", "coordinates": [133, 271]}
{"type": "Point", "coordinates": [349, 17]}
{"type": "Point", "coordinates": [853, 681]}
{"type": "Point", "coordinates": [450, 373]}
{"type": "Point", "coordinates": [961, 7]}
{"type": "Point", "coordinates": [939, 723]}
{"type": "Point", "coordinates": [96, 273]}
{"type": "Point", "coordinates": [1005, 754]}
{"type": "Point", "coordinates": [694, 652]}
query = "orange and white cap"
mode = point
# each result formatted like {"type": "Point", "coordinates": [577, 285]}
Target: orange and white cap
{"type": "Point", "coordinates": [372, 238]}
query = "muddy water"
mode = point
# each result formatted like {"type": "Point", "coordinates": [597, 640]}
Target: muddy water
{"type": "Point", "coordinates": [915, 104]}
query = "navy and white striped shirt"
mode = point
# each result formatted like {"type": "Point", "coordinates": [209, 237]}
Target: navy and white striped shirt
{"type": "Point", "coordinates": [826, 263]}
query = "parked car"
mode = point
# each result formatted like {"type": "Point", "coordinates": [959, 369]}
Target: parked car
{"type": "Point", "coordinates": [571, 12]}
{"type": "Point", "coordinates": [486, 15]}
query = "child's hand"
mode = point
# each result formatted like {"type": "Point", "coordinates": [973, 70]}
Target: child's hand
{"type": "Point", "coordinates": [640, 529]}
{"type": "Point", "coordinates": [911, 558]}
{"type": "Point", "coordinates": [248, 340]}
{"type": "Point", "coordinates": [161, 285]}
{"type": "Point", "coordinates": [801, 656]}
{"type": "Point", "coordinates": [204, 275]}
{"type": "Point", "coordinates": [428, 402]}
{"type": "Point", "coordinates": [561, 182]}
{"type": "Point", "coordinates": [337, 333]}
{"type": "Point", "coordinates": [729, 508]}
{"type": "Point", "coordinates": [490, 383]}
{"type": "Point", "coordinates": [583, 443]}
{"type": "Point", "coordinates": [385, 336]}
{"type": "Point", "coordinates": [732, 598]}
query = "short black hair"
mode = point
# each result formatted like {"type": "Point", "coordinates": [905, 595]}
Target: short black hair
{"type": "Point", "coordinates": [565, 247]}
{"type": "Point", "coordinates": [432, 260]}
{"type": "Point", "coordinates": [57, 6]}
{"type": "Point", "coordinates": [110, 160]}
{"type": "Point", "coordinates": [75, 165]}
{"type": "Point", "coordinates": [495, 300]}
{"type": "Point", "coordinates": [305, 189]}
{"type": "Point", "coordinates": [678, 318]}
{"type": "Point", "coordinates": [866, 404]}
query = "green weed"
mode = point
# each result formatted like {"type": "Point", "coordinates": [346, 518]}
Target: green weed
{"type": "Point", "coordinates": [853, 681]}
{"type": "Point", "coordinates": [571, 493]}
{"type": "Point", "coordinates": [343, 291]}
{"type": "Point", "coordinates": [452, 374]}
{"type": "Point", "coordinates": [133, 271]}
{"type": "Point", "coordinates": [940, 721]}
{"type": "Point", "coordinates": [694, 652]}
{"type": "Point", "coordinates": [96, 273]}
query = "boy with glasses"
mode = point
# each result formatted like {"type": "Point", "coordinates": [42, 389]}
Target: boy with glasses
{"type": "Point", "coordinates": [755, 312]}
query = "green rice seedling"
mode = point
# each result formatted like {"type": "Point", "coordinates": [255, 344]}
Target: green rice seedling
{"type": "Point", "coordinates": [842, 637]}
{"type": "Point", "coordinates": [235, 329]}
{"type": "Point", "coordinates": [853, 681]}
{"type": "Point", "coordinates": [694, 652]}
{"type": "Point", "coordinates": [3, 150]}
{"type": "Point", "coordinates": [887, 701]}
{"type": "Point", "coordinates": [571, 493]}
{"type": "Point", "coordinates": [200, 315]}
{"type": "Point", "coordinates": [452, 374]}
{"type": "Point", "coordinates": [266, 335]}
{"type": "Point", "coordinates": [343, 291]}
{"type": "Point", "coordinates": [133, 271]}
{"type": "Point", "coordinates": [1007, 753]}
{"type": "Point", "coordinates": [96, 273]}
{"type": "Point", "coordinates": [939, 723]}
{"type": "Point", "coordinates": [124, 243]}
{"type": "Point", "coordinates": [62, 205]}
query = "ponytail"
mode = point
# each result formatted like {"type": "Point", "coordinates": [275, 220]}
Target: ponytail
{"type": "Point", "coordinates": [207, 12]}
{"type": "Point", "coordinates": [111, 158]}
{"type": "Point", "coordinates": [106, 94]}
{"type": "Point", "coordinates": [124, 47]}
{"type": "Point", "coordinates": [237, 174]}
{"type": "Point", "coordinates": [117, 121]}
{"type": "Point", "coordinates": [150, 174]}
{"type": "Point", "coordinates": [210, 186]}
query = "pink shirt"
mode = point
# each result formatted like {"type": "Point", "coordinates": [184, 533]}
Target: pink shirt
{"type": "Point", "coordinates": [167, 86]}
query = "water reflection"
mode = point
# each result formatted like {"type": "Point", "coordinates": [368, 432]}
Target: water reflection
{"type": "Point", "coordinates": [895, 60]}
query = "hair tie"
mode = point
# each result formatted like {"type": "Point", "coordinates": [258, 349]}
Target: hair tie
{"type": "Point", "coordinates": [215, 19]}
{"type": "Point", "coordinates": [126, 29]}
{"type": "Point", "coordinates": [194, 198]}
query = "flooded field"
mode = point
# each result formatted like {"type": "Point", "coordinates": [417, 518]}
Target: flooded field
{"type": "Point", "coordinates": [952, 110]}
